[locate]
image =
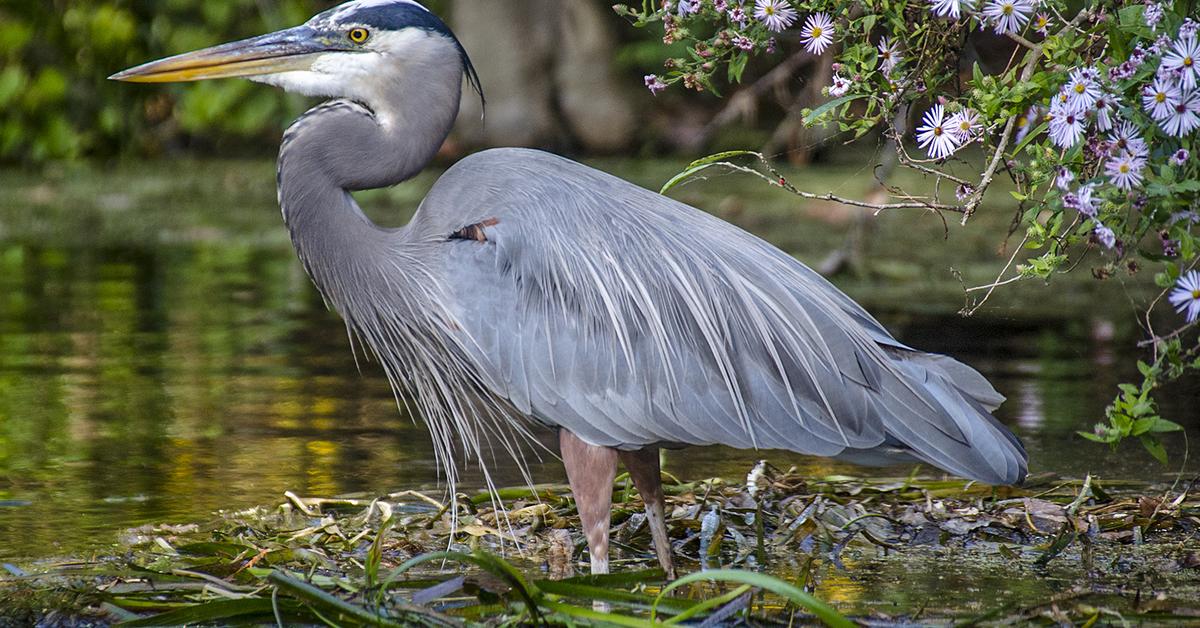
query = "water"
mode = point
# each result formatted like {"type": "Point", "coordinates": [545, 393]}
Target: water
{"type": "Point", "coordinates": [165, 378]}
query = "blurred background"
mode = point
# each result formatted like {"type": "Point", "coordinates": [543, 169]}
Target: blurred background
{"type": "Point", "coordinates": [163, 356]}
{"type": "Point", "coordinates": [558, 74]}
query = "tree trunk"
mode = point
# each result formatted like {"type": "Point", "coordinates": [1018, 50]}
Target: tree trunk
{"type": "Point", "coordinates": [546, 67]}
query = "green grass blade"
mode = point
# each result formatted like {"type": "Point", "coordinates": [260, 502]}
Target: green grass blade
{"type": "Point", "coordinates": [207, 612]}
{"type": "Point", "coordinates": [617, 579]}
{"type": "Point", "coordinates": [487, 562]}
{"type": "Point", "coordinates": [823, 611]}
{"type": "Point", "coordinates": [593, 615]}
{"type": "Point", "coordinates": [710, 603]}
{"type": "Point", "coordinates": [319, 599]}
{"type": "Point", "coordinates": [616, 596]}
{"type": "Point", "coordinates": [837, 102]}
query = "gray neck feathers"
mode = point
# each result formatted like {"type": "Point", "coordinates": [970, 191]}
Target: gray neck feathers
{"type": "Point", "coordinates": [342, 146]}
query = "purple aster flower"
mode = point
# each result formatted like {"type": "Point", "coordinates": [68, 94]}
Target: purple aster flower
{"type": "Point", "coordinates": [946, 8]}
{"type": "Point", "coordinates": [840, 86]}
{"type": "Point", "coordinates": [933, 135]}
{"type": "Point", "coordinates": [737, 15]}
{"type": "Point", "coordinates": [1126, 139]}
{"type": "Point", "coordinates": [1162, 43]}
{"type": "Point", "coordinates": [1186, 296]}
{"type": "Point", "coordinates": [1170, 247]}
{"type": "Point", "coordinates": [1081, 90]}
{"type": "Point", "coordinates": [687, 7]}
{"type": "Point", "coordinates": [1063, 177]}
{"type": "Point", "coordinates": [1180, 157]}
{"type": "Point", "coordinates": [1188, 28]}
{"type": "Point", "coordinates": [889, 55]}
{"type": "Point", "coordinates": [1189, 216]}
{"type": "Point", "coordinates": [1153, 14]}
{"type": "Point", "coordinates": [655, 84]}
{"type": "Point", "coordinates": [1066, 125]}
{"type": "Point", "coordinates": [1185, 116]}
{"type": "Point", "coordinates": [1122, 71]}
{"type": "Point", "coordinates": [741, 42]}
{"type": "Point", "coordinates": [1159, 98]}
{"type": "Point", "coordinates": [1008, 16]}
{"type": "Point", "coordinates": [1082, 200]}
{"type": "Point", "coordinates": [720, 5]}
{"type": "Point", "coordinates": [1105, 236]}
{"type": "Point", "coordinates": [1105, 105]}
{"type": "Point", "coordinates": [1041, 24]}
{"type": "Point", "coordinates": [778, 15]}
{"type": "Point", "coordinates": [1124, 171]}
{"type": "Point", "coordinates": [817, 33]}
{"type": "Point", "coordinates": [1185, 57]}
{"type": "Point", "coordinates": [965, 125]}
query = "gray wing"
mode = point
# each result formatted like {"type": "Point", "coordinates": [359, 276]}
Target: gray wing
{"type": "Point", "coordinates": [631, 319]}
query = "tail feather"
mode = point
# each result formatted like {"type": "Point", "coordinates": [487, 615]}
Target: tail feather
{"type": "Point", "coordinates": [988, 451]}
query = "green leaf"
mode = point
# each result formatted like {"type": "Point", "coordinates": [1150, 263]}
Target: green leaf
{"type": "Point", "coordinates": [1155, 448]}
{"type": "Point", "coordinates": [702, 164]}
{"type": "Point", "coordinates": [1163, 425]}
{"type": "Point", "coordinates": [737, 65]}
{"type": "Point", "coordinates": [837, 102]}
{"type": "Point", "coordinates": [823, 611]}
{"type": "Point", "coordinates": [722, 156]}
{"type": "Point", "coordinates": [1029, 137]}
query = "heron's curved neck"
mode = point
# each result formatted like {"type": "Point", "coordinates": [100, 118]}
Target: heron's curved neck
{"type": "Point", "coordinates": [342, 146]}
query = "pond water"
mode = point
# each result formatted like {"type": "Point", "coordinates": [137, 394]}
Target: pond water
{"type": "Point", "coordinates": [164, 381]}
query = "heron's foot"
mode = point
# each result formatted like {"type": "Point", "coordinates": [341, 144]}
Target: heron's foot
{"type": "Point", "coordinates": [644, 469]}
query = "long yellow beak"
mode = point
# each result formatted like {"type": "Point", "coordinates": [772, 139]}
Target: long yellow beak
{"type": "Point", "coordinates": [285, 51]}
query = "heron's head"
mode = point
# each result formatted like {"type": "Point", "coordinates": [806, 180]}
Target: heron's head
{"type": "Point", "coordinates": [359, 50]}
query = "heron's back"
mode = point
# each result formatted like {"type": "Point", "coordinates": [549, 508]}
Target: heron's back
{"type": "Point", "coordinates": [631, 319]}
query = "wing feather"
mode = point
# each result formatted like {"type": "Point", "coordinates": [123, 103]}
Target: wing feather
{"type": "Point", "coordinates": [631, 319]}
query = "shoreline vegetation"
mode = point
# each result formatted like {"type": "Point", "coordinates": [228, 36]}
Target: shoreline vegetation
{"type": "Point", "coordinates": [775, 549]}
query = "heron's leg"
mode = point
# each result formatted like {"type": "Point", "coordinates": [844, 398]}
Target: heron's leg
{"type": "Point", "coordinates": [644, 468]}
{"type": "Point", "coordinates": [591, 471]}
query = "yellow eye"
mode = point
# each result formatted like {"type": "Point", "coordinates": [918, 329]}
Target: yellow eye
{"type": "Point", "coordinates": [359, 35]}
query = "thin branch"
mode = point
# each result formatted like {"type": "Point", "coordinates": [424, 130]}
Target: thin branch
{"type": "Point", "coordinates": [1031, 59]}
{"type": "Point", "coordinates": [969, 310]}
{"type": "Point", "coordinates": [781, 181]}
{"type": "Point", "coordinates": [1021, 40]}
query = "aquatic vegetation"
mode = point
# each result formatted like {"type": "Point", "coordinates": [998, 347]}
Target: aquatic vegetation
{"type": "Point", "coordinates": [761, 554]}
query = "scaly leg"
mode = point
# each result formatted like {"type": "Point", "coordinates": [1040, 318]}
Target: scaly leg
{"type": "Point", "coordinates": [644, 468]}
{"type": "Point", "coordinates": [591, 471]}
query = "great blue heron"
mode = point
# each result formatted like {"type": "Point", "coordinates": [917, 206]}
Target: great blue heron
{"type": "Point", "coordinates": [528, 287]}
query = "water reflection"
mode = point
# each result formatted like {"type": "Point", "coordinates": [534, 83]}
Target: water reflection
{"type": "Point", "coordinates": [166, 383]}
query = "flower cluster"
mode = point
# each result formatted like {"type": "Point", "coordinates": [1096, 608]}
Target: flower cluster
{"type": "Point", "coordinates": [1092, 111]}
{"type": "Point", "coordinates": [942, 135]}
{"type": "Point", "coordinates": [742, 27]}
